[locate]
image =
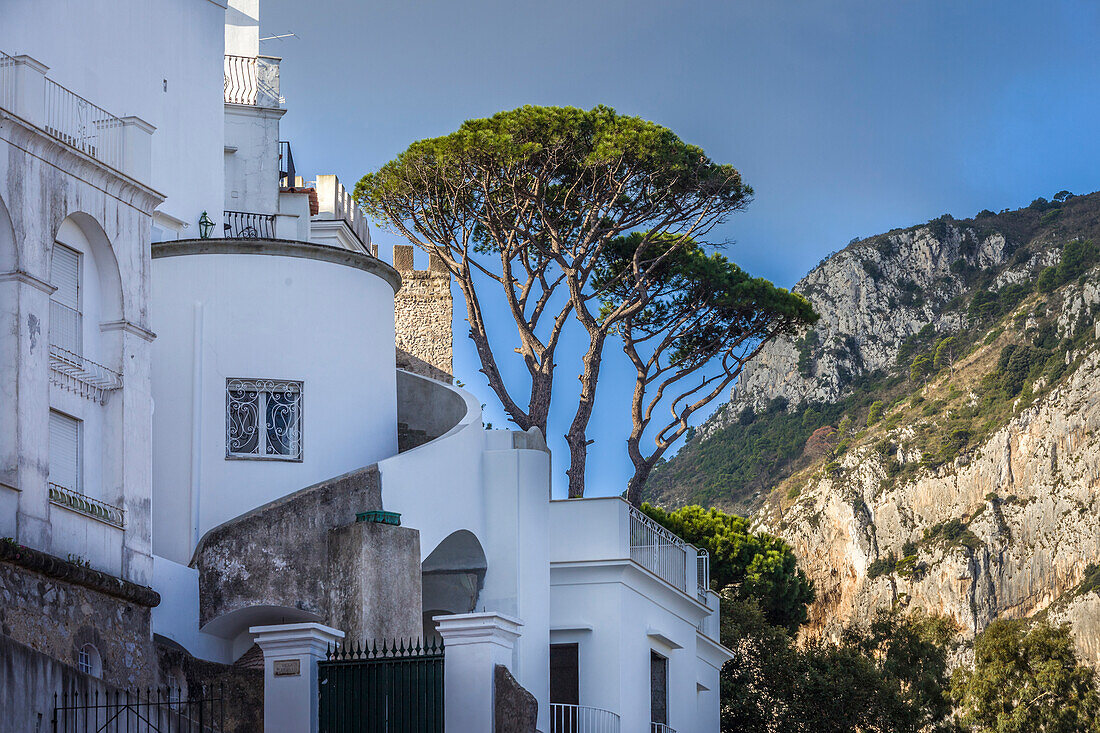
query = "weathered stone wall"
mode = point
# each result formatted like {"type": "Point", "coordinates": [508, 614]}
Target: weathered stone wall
{"type": "Point", "coordinates": [277, 554]}
{"type": "Point", "coordinates": [57, 617]}
{"type": "Point", "coordinates": [515, 709]}
{"type": "Point", "coordinates": [28, 681]}
{"type": "Point", "coordinates": [307, 552]}
{"type": "Point", "coordinates": [241, 688]}
{"type": "Point", "coordinates": [422, 316]}
{"type": "Point", "coordinates": [376, 588]}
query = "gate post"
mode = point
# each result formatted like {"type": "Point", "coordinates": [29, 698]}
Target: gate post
{"type": "Point", "coordinates": [291, 653]}
{"type": "Point", "coordinates": [475, 644]}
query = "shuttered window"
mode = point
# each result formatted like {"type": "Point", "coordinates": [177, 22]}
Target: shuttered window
{"type": "Point", "coordinates": [65, 451]}
{"type": "Point", "coordinates": [66, 320]}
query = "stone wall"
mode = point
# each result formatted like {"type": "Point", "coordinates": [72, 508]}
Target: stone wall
{"type": "Point", "coordinates": [56, 607]}
{"type": "Point", "coordinates": [277, 554]}
{"type": "Point", "coordinates": [242, 689]}
{"type": "Point", "coordinates": [422, 316]}
{"type": "Point", "coordinates": [28, 681]}
{"type": "Point", "coordinates": [307, 552]}
{"type": "Point", "coordinates": [515, 709]}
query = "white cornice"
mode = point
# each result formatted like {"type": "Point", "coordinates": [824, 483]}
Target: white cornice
{"type": "Point", "coordinates": [25, 277]}
{"type": "Point", "coordinates": [128, 327]}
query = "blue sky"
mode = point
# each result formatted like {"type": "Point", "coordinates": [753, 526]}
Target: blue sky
{"type": "Point", "coordinates": [848, 117]}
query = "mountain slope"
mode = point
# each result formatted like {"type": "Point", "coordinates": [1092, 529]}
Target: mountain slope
{"type": "Point", "coordinates": [881, 298]}
{"type": "Point", "coordinates": [933, 443]}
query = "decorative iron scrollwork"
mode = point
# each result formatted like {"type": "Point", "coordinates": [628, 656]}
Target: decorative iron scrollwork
{"type": "Point", "coordinates": [263, 419]}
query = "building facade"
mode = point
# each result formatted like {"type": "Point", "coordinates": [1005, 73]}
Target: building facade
{"type": "Point", "coordinates": [212, 376]}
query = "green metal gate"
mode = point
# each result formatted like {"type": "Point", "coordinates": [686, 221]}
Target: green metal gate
{"type": "Point", "coordinates": [395, 688]}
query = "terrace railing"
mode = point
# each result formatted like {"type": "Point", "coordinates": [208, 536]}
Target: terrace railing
{"type": "Point", "coordinates": [661, 728]}
{"type": "Point", "coordinates": [248, 225]}
{"type": "Point", "coordinates": [667, 556]}
{"type": "Point", "coordinates": [82, 125]}
{"type": "Point", "coordinates": [582, 719]}
{"type": "Point", "coordinates": [61, 113]}
{"type": "Point", "coordinates": [252, 81]}
{"type": "Point", "coordinates": [86, 505]}
{"type": "Point", "coordinates": [702, 565]}
{"type": "Point", "coordinates": [658, 550]}
{"type": "Point", "coordinates": [7, 81]}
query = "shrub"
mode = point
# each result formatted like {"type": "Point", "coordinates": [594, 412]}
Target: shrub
{"type": "Point", "coordinates": [874, 413]}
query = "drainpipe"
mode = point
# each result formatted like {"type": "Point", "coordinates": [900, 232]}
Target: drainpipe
{"type": "Point", "coordinates": [196, 425]}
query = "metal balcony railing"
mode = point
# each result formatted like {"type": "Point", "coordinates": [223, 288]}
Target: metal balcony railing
{"type": "Point", "coordinates": [86, 505]}
{"type": "Point", "coordinates": [82, 376]}
{"type": "Point", "coordinates": [667, 556]}
{"type": "Point", "coordinates": [66, 116]}
{"type": "Point", "coordinates": [7, 81]}
{"type": "Point", "coordinates": [581, 719]}
{"type": "Point", "coordinates": [248, 225]}
{"type": "Point", "coordinates": [252, 81]}
{"type": "Point", "coordinates": [82, 125]}
{"type": "Point", "coordinates": [702, 564]}
{"type": "Point", "coordinates": [658, 550]}
{"type": "Point", "coordinates": [661, 728]}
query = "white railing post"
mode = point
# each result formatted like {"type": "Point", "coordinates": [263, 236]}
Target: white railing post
{"type": "Point", "coordinates": [137, 148]}
{"type": "Point", "coordinates": [29, 89]}
{"type": "Point", "coordinates": [476, 643]}
{"type": "Point", "coordinates": [291, 653]}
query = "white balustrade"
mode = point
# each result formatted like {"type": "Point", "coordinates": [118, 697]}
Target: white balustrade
{"type": "Point", "coordinates": [582, 719]}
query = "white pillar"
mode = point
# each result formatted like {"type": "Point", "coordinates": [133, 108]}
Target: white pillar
{"type": "Point", "coordinates": [476, 643]}
{"type": "Point", "coordinates": [137, 149]}
{"type": "Point", "coordinates": [30, 90]}
{"type": "Point", "coordinates": [291, 653]}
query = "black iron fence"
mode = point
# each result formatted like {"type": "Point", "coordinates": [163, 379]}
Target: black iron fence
{"type": "Point", "coordinates": [397, 687]}
{"type": "Point", "coordinates": [247, 225]}
{"type": "Point", "coordinates": [139, 711]}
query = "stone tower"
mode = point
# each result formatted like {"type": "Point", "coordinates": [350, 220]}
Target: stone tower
{"type": "Point", "coordinates": [422, 316]}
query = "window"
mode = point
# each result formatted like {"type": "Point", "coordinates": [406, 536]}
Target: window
{"type": "Point", "coordinates": [658, 688]}
{"type": "Point", "coordinates": [64, 451]}
{"type": "Point", "coordinates": [263, 419]}
{"type": "Point", "coordinates": [88, 661]}
{"type": "Point", "coordinates": [66, 318]}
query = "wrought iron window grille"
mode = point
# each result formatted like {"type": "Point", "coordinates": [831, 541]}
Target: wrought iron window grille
{"type": "Point", "coordinates": [263, 419]}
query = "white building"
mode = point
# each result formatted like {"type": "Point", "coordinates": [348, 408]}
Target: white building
{"type": "Point", "coordinates": [203, 338]}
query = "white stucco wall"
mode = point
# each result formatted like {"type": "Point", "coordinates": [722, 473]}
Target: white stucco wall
{"type": "Point", "coordinates": [618, 613]}
{"type": "Point", "coordinates": [160, 60]}
{"type": "Point", "coordinates": [327, 325]}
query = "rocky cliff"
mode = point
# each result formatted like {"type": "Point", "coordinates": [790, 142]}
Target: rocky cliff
{"type": "Point", "coordinates": [933, 441]}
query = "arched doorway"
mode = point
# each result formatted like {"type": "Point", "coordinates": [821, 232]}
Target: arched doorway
{"type": "Point", "coordinates": [453, 575]}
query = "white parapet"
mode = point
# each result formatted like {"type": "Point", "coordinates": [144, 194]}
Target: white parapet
{"type": "Point", "coordinates": [475, 644]}
{"type": "Point", "coordinates": [291, 653]}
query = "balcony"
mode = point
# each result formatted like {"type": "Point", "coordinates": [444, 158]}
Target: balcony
{"type": "Point", "coordinates": [252, 81]}
{"type": "Point", "coordinates": [62, 114]}
{"type": "Point", "coordinates": [581, 719]}
{"type": "Point", "coordinates": [609, 529]}
{"type": "Point", "coordinates": [87, 506]}
{"type": "Point", "coordinates": [660, 728]}
{"type": "Point", "coordinates": [667, 556]}
{"type": "Point", "coordinates": [248, 225]}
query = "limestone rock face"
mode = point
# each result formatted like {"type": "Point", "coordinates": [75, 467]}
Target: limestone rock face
{"type": "Point", "coordinates": [1030, 499]}
{"type": "Point", "coordinates": [870, 297]}
{"type": "Point", "coordinates": [1004, 525]}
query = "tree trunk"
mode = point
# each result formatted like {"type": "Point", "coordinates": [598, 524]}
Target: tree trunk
{"type": "Point", "coordinates": [577, 438]}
